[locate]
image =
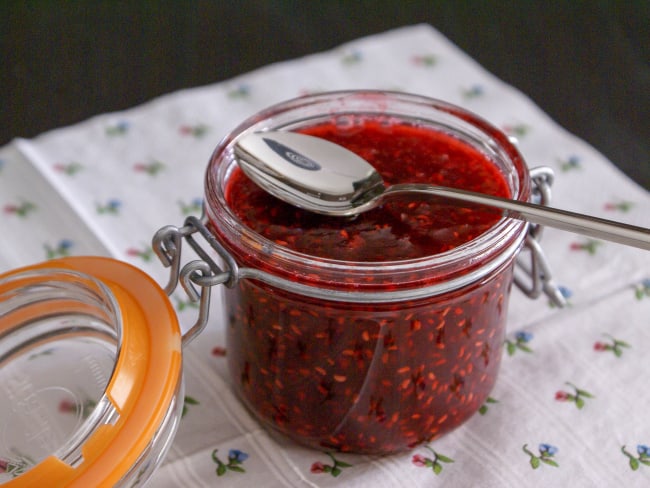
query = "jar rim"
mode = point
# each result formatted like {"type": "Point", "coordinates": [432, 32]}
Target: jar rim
{"type": "Point", "coordinates": [498, 239]}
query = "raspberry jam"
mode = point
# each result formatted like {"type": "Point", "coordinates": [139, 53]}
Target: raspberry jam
{"type": "Point", "coordinates": [402, 228]}
{"type": "Point", "coordinates": [393, 334]}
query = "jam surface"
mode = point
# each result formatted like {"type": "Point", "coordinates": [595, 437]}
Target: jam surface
{"type": "Point", "coordinates": [380, 377]}
{"type": "Point", "coordinates": [403, 227]}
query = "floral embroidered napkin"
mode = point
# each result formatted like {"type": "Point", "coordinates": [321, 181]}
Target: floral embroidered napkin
{"type": "Point", "coordinates": [569, 407]}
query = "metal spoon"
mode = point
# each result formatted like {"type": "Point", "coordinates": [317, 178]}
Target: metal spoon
{"type": "Point", "coordinates": [326, 178]}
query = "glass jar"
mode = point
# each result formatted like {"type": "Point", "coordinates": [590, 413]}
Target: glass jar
{"type": "Point", "coordinates": [90, 374]}
{"type": "Point", "coordinates": [365, 356]}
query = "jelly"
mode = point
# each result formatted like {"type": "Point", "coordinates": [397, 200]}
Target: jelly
{"type": "Point", "coordinates": [359, 374]}
{"type": "Point", "coordinates": [403, 228]}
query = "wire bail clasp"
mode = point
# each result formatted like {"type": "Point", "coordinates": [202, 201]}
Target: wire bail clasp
{"type": "Point", "coordinates": [203, 273]}
{"type": "Point", "coordinates": [535, 276]}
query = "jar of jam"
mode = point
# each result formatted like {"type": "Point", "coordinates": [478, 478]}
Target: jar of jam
{"type": "Point", "coordinates": [376, 333]}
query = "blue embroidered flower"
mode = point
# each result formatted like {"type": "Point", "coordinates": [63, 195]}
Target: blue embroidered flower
{"type": "Point", "coordinates": [60, 250]}
{"type": "Point", "coordinates": [112, 207]}
{"type": "Point", "coordinates": [65, 244]}
{"type": "Point", "coordinates": [522, 338]}
{"type": "Point", "coordinates": [546, 453]}
{"type": "Point", "coordinates": [641, 459]}
{"type": "Point", "coordinates": [570, 163]}
{"type": "Point", "coordinates": [474, 91]}
{"type": "Point", "coordinates": [352, 57]}
{"type": "Point", "coordinates": [235, 458]}
{"type": "Point", "coordinates": [547, 449]}
{"type": "Point", "coordinates": [235, 455]}
{"type": "Point", "coordinates": [117, 129]}
{"type": "Point", "coordinates": [195, 206]}
{"type": "Point", "coordinates": [643, 450]}
{"type": "Point", "coordinates": [240, 91]}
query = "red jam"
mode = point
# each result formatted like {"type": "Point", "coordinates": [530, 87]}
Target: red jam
{"type": "Point", "coordinates": [373, 377]}
{"type": "Point", "coordinates": [403, 228]}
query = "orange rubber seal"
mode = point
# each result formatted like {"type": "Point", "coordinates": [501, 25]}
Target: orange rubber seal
{"type": "Point", "coordinates": [144, 382]}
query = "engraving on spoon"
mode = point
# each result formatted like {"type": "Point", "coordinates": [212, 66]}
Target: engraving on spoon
{"type": "Point", "coordinates": [292, 156]}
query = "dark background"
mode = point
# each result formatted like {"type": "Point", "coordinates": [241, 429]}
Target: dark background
{"type": "Point", "coordinates": [586, 63]}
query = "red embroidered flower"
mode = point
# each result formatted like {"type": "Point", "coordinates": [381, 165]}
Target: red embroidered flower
{"type": "Point", "coordinates": [419, 460]}
{"type": "Point", "coordinates": [562, 396]}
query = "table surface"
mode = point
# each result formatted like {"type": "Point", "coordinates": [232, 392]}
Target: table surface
{"type": "Point", "coordinates": [584, 63]}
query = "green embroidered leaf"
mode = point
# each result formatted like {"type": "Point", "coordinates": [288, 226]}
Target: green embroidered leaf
{"type": "Point", "coordinates": [335, 471]}
{"type": "Point", "coordinates": [534, 462]}
{"type": "Point", "coordinates": [634, 464]}
{"type": "Point", "coordinates": [482, 410]}
{"type": "Point", "coordinates": [437, 467]}
{"type": "Point", "coordinates": [525, 348]}
{"type": "Point", "coordinates": [549, 462]}
{"type": "Point", "coordinates": [221, 469]}
{"type": "Point", "coordinates": [444, 459]}
{"type": "Point", "coordinates": [238, 469]}
{"type": "Point", "coordinates": [191, 401]}
{"type": "Point", "coordinates": [343, 465]}
{"type": "Point", "coordinates": [511, 348]}
{"type": "Point", "coordinates": [584, 393]}
{"type": "Point", "coordinates": [645, 461]}
{"type": "Point", "coordinates": [580, 403]}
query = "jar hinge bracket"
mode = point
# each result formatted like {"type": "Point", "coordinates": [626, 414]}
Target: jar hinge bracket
{"type": "Point", "coordinates": [535, 277]}
{"type": "Point", "coordinates": [203, 273]}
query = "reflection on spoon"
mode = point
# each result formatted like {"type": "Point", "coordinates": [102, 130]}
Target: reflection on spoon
{"type": "Point", "coordinates": [326, 178]}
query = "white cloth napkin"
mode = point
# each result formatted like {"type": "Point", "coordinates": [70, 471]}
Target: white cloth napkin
{"type": "Point", "coordinates": [570, 403]}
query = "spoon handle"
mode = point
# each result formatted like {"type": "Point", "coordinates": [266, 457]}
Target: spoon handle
{"type": "Point", "coordinates": [629, 235]}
